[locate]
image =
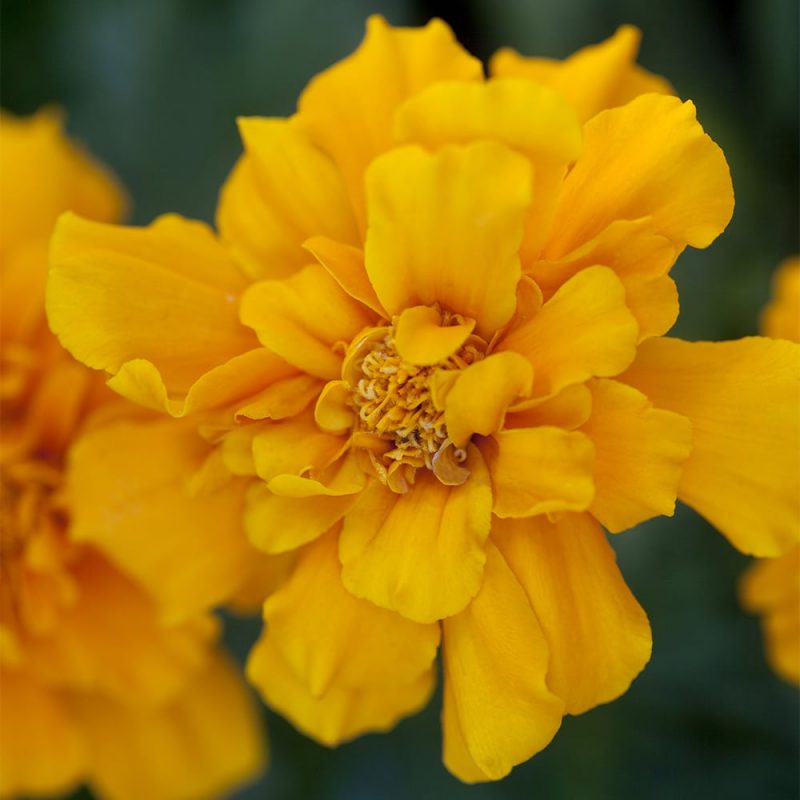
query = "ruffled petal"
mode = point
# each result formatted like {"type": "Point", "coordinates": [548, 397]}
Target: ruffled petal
{"type": "Point", "coordinates": [296, 510]}
{"type": "Point", "coordinates": [421, 339]}
{"type": "Point", "coordinates": [649, 158]}
{"type": "Point", "coordinates": [539, 470]}
{"type": "Point", "coordinates": [346, 265]}
{"type": "Point", "coordinates": [597, 77]}
{"type": "Point", "coordinates": [165, 294]}
{"type": "Point", "coordinates": [420, 553]}
{"type": "Point", "coordinates": [640, 259]}
{"type": "Point", "coordinates": [244, 379]}
{"type": "Point", "coordinates": [482, 393]}
{"type": "Point", "coordinates": [128, 490]}
{"type": "Point", "coordinates": [294, 447]}
{"type": "Point", "coordinates": [639, 454]}
{"type": "Point", "coordinates": [531, 119]}
{"type": "Point", "coordinates": [499, 710]}
{"type": "Point", "coordinates": [41, 748]}
{"type": "Point", "coordinates": [446, 228]}
{"type": "Point", "coordinates": [598, 635]}
{"type": "Point", "coordinates": [347, 110]}
{"type": "Point", "coordinates": [568, 409]}
{"type": "Point", "coordinates": [584, 330]}
{"type": "Point", "coordinates": [303, 316]}
{"type": "Point", "coordinates": [742, 399]}
{"type": "Point", "coordinates": [330, 638]}
{"type": "Point", "coordinates": [342, 713]}
{"type": "Point", "coordinates": [206, 742]}
{"type": "Point", "coordinates": [282, 191]}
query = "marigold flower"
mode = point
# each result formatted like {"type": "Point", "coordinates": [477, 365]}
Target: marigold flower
{"type": "Point", "coordinates": [771, 587]}
{"type": "Point", "coordinates": [93, 687]}
{"type": "Point", "coordinates": [460, 289]}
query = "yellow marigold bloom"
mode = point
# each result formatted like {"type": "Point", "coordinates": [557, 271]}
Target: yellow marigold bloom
{"type": "Point", "coordinates": [459, 288]}
{"type": "Point", "coordinates": [93, 688]}
{"type": "Point", "coordinates": [771, 587]}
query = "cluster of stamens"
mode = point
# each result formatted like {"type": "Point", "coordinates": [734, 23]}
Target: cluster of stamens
{"type": "Point", "coordinates": [395, 401]}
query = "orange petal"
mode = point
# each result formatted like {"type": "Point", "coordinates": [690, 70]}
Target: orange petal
{"type": "Point", "coordinates": [482, 393]}
{"type": "Point", "coordinates": [585, 329]}
{"type": "Point", "coordinates": [649, 158]}
{"type": "Point", "coordinates": [419, 553]}
{"type": "Point", "coordinates": [539, 470]}
{"type": "Point", "coordinates": [597, 77]}
{"type": "Point", "coordinates": [597, 634]}
{"type": "Point", "coordinates": [347, 110]}
{"type": "Point", "coordinates": [446, 228]}
{"type": "Point", "coordinates": [282, 191]}
{"type": "Point", "coordinates": [742, 399]}
{"type": "Point", "coordinates": [302, 317]}
{"type": "Point", "coordinates": [499, 710]}
{"type": "Point", "coordinates": [420, 338]}
{"type": "Point", "coordinates": [639, 455]}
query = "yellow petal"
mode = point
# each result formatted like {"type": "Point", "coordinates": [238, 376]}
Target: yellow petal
{"type": "Point", "coordinates": [294, 447]}
{"type": "Point", "coordinates": [495, 661]}
{"type": "Point", "coordinates": [598, 635]}
{"type": "Point", "coordinates": [346, 265]}
{"type": "Point", "coordinates": [481, 394]}
{"type": "Point", "coordinates": [166, 294]}
{"type": "Point", "coordinates": [629, 247]}
{"type": "Point", "coordinates": [343, 712]}
{"type": "Point", "coordinates": [595, 78]}
{"type": "Point", "coordinates": [44, 174]}
{"type": "Point", "coordinates": [585, 329]}
{"type": "Point", "coordinates": [347, 110]}
{"type": "Point", "coordinates": [238, 379]}
{"type": "Point", "coordinates": [781, 318]}
{"type": "Point", "coordinates": [333, 412]}
{"type": "Point", "coordinates": [282, 191]}
{"type": "Point", "coordinates": [206, 742]}
{"type": "Point", "coordinates": [420, 553]}
{"type": "Point", "coordinates": [284, 398]}
{"type": "Point", "coordinates": [539, 470]}
{"type": "Point", "coordinates": [291, 510]}
{"type": "Point", "coordinates": [277, 524]}
{"type": "Point", "coordinates": [742, 399]}
{"type": "Point", "coordinates": [420, 338]}
{"type": "Point", "coordinates": [641, 260]}
{"type": "Point", "coordinates": [771, 587]}
{"type": "Point", "coordinates": [653, 302]}
{"type": "Point", "coordinates": [302, 317]}
{"type": "Point", "coordinates": [639, 455]}
{"type": "Point", "coordinates": [649, 158]}
{"type": "Point", "coordinates": [128, 485]}
{"type": "Point", "coordinates": [446, 228]}
{"type": "Point", "coordinates": [91, 650]}
{"type": "Point", "coordinates": [330, 638]}
{"type": "Point", "coordinates": [568, 409]}
{"type": "Point", "coordinates": [41, 748]}
{"type": "Point", "coordinates": [531, 119]}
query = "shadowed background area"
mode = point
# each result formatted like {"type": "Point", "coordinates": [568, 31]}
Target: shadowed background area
{"type": "Point", "coordinates": [153, 87]}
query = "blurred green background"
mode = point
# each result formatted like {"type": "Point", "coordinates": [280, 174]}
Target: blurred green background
{"type": "Point", "coordinates": [153, 87]}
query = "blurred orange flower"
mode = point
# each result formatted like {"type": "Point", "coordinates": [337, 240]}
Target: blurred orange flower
{"type": "Point", "coordinates": [93, 687]}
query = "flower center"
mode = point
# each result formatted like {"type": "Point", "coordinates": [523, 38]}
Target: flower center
{"type": "Point", "coordinates": [400, 416]}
